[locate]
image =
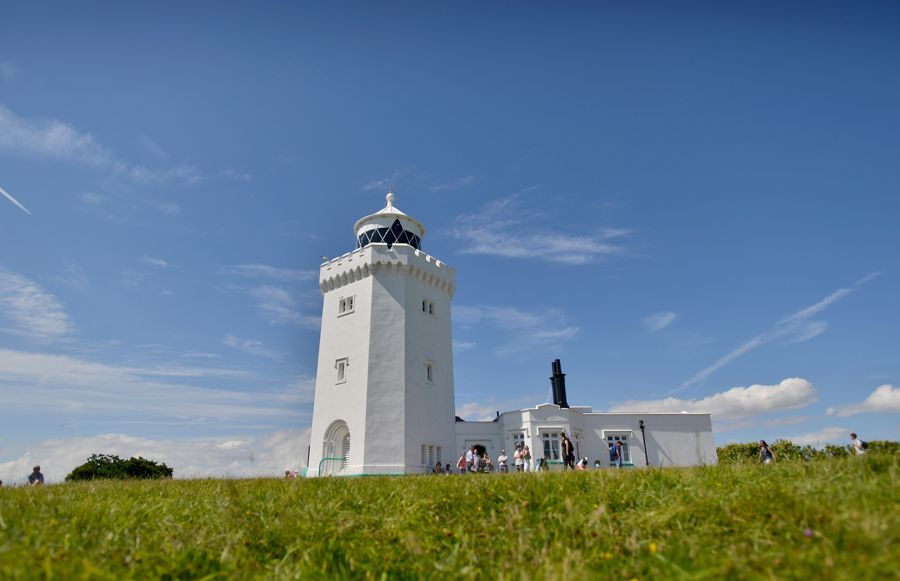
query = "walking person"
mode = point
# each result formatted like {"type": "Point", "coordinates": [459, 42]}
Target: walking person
{"type": "Point", "coordinates": [568, 452]}
{"type": "Point", "coordinates": [618, 456]}
{"type": "Point", "coordinates": [765, 453]}
{"type": "Point", "coordinates": [461, 463]}
{"type": "Point", "coordinates": [526, 460]}
{"type": "Point", "coordinates": [859, 446]}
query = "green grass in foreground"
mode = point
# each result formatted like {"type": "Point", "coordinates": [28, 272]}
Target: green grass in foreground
{"type": "Point", "coordinates": [828, 519]}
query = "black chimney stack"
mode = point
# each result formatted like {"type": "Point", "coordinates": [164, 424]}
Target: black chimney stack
{"type": "Point", "coordinates": [558, 383]}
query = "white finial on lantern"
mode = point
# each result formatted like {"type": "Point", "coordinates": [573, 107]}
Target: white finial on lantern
{"type": "Point", "coordinates": [390, 200]}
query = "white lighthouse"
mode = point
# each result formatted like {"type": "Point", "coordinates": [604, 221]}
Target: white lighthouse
{"type": "Point", "coordinates": [384, 401]}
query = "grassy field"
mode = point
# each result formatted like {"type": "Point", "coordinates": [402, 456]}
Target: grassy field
{"type": "Point", "coordinates": [836, 518]}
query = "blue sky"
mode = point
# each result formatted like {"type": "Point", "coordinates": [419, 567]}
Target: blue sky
{"type": "Point", "coordinates": [693, 206]}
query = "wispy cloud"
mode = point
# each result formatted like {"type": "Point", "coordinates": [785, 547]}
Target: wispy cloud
{"type": "Point", "coordinates": [31, 310]}
{"type": "Point", "coordinates": [794, 328]}
{"type": "Point", "coordinates": [659, 321]}
{"type": "Point", "coordinates": [66, 384]}
{"type": "Point", "coordinates": [152, 147]}
{"type": "Point", "coordinates": [384, 184]}
{"type": "Point", "coordinates": [523, 330]}
{"type": "Point", "coordinates": [237, 176]}
{"type": "Point", "coordinates": [72, 276]}
{"type": "Point", "coordinates": [268, 454]}
{"type": "Point", "coordinates": [487, 411]}
{"type": "Point", "coordinates": [454, 184]}
{"type": "Point", "coordinates": [153, 261]}
{"type": "Point", "coordinates": [463, 346]}
{"type": "Point", "coordinates": [251, 346]}
{"type": "Point", "coordinates": [824, 436]}
{"type": "Point", "coordinates": [9, 197]}
{"type": "Point", "coordinates": [277, 305]}
{"type": "Point", "coordinates": [52, 139]}
{"type": "Point", "coordinates": [504, 228]}
{"type": "Point", "coordinates": [734, 403]}
{"type": "Point", "coordinates": [885, 398]}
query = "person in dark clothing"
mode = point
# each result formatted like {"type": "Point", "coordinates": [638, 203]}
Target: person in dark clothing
{"type": "Point", "coordinates": [568, 452]}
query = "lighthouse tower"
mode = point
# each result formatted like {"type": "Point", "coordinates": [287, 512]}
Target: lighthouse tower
{"type": "Point", "coordinates": [384, 401]}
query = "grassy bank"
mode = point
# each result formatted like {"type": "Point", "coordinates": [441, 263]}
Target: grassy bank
{"type": "Point", "coordinates": [837, 518]}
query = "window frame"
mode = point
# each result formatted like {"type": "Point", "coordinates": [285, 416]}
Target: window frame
{"type": "Point", "coordinates": [343, 302]}
{"type": "Point", "coordinates": [342, 366]}
{"type": "Point", "coordinates": [430, 368]}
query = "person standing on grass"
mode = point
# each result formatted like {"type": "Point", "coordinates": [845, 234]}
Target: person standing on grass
{"type": "Point", "coordinates": [526, 459]}
{"type": "Point", "coordinates": [517, 458]}
{"type": "Point", "coordinates": [470, 459]}
{"type": "Point", "coordinates": [476, 461]}
{"type": "Point", "coordinates": [503, 461]}
{"type": "Point", "coordinates": [765, 453]}
{"type": "Point", "coordinates": [35, 478]}
{"type": "Point", "coordinates": [617, 454]}
{"type": "Point", "coordinates": [859, 447]}
{"type": "Point", "coordinates": [461, 463]}
{"type": "Point", "coordinates": [568, 452]}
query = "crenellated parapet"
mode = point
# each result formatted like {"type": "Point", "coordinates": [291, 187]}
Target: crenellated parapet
{"type": "Point", "coordinates": [376, 259]}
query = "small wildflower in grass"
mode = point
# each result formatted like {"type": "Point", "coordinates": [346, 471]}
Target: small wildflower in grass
{"type": "Point", "coordinates": [652, 547]}
{"type": "Point", "coordinates": [808, 533]}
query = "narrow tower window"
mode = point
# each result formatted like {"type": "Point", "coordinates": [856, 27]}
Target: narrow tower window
{"type": "Point", "coordinates": [427, 307]}
{"type": "Point", "coordinates": [342, 366]}
{"type": "Point", "coordinates": [345, 305]}
{"type": "Point", "coordinates": [429, 372]}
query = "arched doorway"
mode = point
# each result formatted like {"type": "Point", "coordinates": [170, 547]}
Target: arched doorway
{"type": "Point", "coordinates": [336, 445]}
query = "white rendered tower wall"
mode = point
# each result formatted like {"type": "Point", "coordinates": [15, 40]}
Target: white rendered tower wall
{"type": "Point", "coordinates": [394, 396]}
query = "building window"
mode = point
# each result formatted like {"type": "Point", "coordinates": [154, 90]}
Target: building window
{"type": "Point", "coordinates": [551, 445]}
{"type": "Point", "coordinates": [424, 451]}
{"type": "Point", "coordinates": [626, 451]}
{"type": "Point", "coordinates": [429, 372]}
{"type": "Point", "coordinates": [346, 305]}
{"type": "Point", "coordinates": [427, 307]}
{"type": "Point", "coordinates": [518, 440]}
{"type": "Point", "coordinates": [343, 366]}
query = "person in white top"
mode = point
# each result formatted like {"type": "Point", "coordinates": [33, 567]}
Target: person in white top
{"type": "Point", "coordinates": [526, 460]}
{"type": "Point", "coordinates": [503, 461]}
{"type": "Point", "coordinates": [470, 458]}
{"type": "Point", "coordinates": [858, 445]}
{"type": "Point", "coordinates": [517, 458]}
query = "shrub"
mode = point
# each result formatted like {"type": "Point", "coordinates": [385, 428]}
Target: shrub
{"type": "Point", "coordinates": [108, 466]}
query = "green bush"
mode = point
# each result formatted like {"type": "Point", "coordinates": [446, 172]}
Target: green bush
{"type": "Point", "coordinates": [787, 451]}
{"type": "Point", "coordinates": [111, 467]}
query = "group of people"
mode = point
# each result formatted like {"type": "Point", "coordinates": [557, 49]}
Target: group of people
{"type": "Point", "coordinates": [767, 456]}
{"type": "Point", "coordinates": [474, 460]}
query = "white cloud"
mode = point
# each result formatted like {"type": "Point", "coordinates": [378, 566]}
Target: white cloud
{"type": "Point", "coordinates": [73, 276]}
{"type": "Point", "coordinates": [825, 436]}
{"type": "Point", "coordinates": [92, 199]}
{"type": "Point", "coordinates": [267, 454]}
{"type": "Point", "coordinates": [659, 321]}
{"type": "Point", "coordinates": [525, 330]}
{"type": "Point", "coordinates": [276, 305]}
{"type": "Point", "coordinates": [385, 184]}
{"type": "Point", "coordinates": [158, 262]}
{"type": "Point", "coordinates": [885, 398]}
{"type": "Point", "coordinates": [267, 271]}
{"type": "Point", "coordinates": [151, 146]}
{"type": "Point", "coordinates": [502, 228]}
{"type": "Point", "coordinates": [235, 175]}
{"type": "Point", "coordinates": [62, 383]}
{"type": "Point", "coordinates": [462, 346]}
{"type": "Point", "coordinates": [454, 184]}
{"type": "Point", "coordinates": [52, 139]}
{"type": "Point", "coordinates": [734, 403]}
{"type": "Point", "coordinates": [33, 311]}
{"type": "Point", "coordinates": [795, 328]}
{"type": "Point", "coordinates": [487, 411]}
{"type": "Point", "coordinates": [251, 346]}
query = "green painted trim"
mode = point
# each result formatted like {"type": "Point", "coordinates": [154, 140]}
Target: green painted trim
{"type": "Point", "coordinates": [319, 470]}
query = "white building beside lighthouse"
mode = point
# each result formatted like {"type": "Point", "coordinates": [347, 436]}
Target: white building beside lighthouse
{"type": "Point", "coordinates": [384, 400]}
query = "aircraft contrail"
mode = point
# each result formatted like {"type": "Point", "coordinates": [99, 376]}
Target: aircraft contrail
{"type": "Point", "coordinates": [14, 201]}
